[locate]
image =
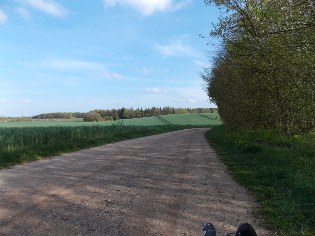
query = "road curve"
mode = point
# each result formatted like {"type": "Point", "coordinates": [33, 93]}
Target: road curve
{"type": "Point", "coordinates": [168, 184]}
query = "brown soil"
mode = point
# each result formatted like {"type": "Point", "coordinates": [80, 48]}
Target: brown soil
{"type": "Point", "coordinates": [168, 184]}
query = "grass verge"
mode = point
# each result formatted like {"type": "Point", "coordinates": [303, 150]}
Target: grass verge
{"type": "Point", "coordinates": [18, 145]}
{"type": "Point", "coordinates": [279, 171]}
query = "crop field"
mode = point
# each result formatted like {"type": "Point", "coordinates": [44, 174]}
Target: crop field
{"type": "Point", "coordinates": [202, 119]}
{"type": "Point", "coordinates": [53, 123]}
{"type": "Point", "coordinates": [173, 119]}
{"type": "Point", "coordinates": [30, 140]}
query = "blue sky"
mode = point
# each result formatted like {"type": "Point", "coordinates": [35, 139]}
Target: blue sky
{"type": "Point", "coordinates": [65, 55]}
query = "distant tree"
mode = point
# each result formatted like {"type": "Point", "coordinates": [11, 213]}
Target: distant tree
{"type": "Point", "coordinates": [78, 114]}
{"type": "Point", "coordinates": [107, 118]}
{"type": "Point", "coordinates": [92, 117]}
{"type": "Point", "coordinates": [123, 113]}
{"type": "Point", "coordinates": [55, 115]}
{"type": "Point", "coordinates": [114, 114]}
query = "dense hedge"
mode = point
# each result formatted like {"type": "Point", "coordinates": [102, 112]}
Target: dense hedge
{"type": "Point", "coordinates": [264, 74]}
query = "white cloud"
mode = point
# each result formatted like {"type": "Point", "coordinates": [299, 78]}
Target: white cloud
{"type": "Point", "coordinates": [111, 76]}
{"type": "Point", "coordinates": [71, 84]}
{"type": "Point", "coordinates": [190, 100]}
{"type": "Point", "coordinates": [16, 101]}
{"type": "Point", "coordinates": [23, 12]}
{"type": "Point", "coordinates": [146, 71]}
{"type": "Point", "coordinates": [3, 17]}
{"type": "Point", "coordinates": [48, 6]}
{"type": "Point", "coordinates": [192, 94]}
{"type": "Point", "coordinates": [78, 65]}
{"type": "Point", "coordinates": [24, 101]}
{"type": "Point", "coordinates": [68, 64]}
{"type": "Point", "coordinates": [148, 7]}
{"type": "Point", "coordinates": [202, 64]}
{"type": "Point", "coordinates": [3, 100]}
{"type": "Point", "coordinates": [176, 48]}
{"type": "Point", "coordinates": [181, 4]}
{"type": "Point", "coordinates": [155, 90]}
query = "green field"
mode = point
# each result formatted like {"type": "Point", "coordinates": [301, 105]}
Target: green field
{"type": "Point", "coordinates": [172, 119]}
{"type": "Point", "coordinates": [30, 140]}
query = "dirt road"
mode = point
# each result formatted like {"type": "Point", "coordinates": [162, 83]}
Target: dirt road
{"type": "Point", "coordinates": [167, 184]}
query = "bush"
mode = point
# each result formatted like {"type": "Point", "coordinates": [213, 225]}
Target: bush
{"type": "Point", "coordinates": [92, 117]}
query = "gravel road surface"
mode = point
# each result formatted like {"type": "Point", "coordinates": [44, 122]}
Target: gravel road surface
{"type": "Point", "coordinates": [168, 184]}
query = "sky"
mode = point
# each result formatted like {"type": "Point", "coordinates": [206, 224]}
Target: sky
{"type": "Point", "coordinates": [76, 56]}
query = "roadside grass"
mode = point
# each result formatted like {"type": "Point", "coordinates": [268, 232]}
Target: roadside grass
{"type": "Point", "coordinates": [279, 171]}
{"type": "Point", "coordinates": [18, 145]}
{"type": "Point", "coordinates": [26, 141]}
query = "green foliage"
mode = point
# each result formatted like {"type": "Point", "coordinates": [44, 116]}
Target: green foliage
{"type": "Point", "coordinates": [199, 119]}
{"type": "Point", "coordinates": [278, 169]}
{"type": "Point", "coordinates": [264, 76]}
{"type": "Point", "coordinates": [24, 141]}
{"type": "Point", "coordinates": [31, 143]}
{"type": "Point", "coordinates": [175, 119]}
{"type": "Point", "coordinates": [130, 113]}
{"type": "Point", "coordinates": [59, 115]}
{"type": "Point", "coordinates": [92, 117]}
{"type": "Point", "coordinates": [115, 114]}
{"type": "Point", "coordinates": [14, 119]}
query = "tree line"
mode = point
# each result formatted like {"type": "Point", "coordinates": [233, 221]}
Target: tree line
{"type": "Point", "coordinates": [60, 115]}
{"type": "Point", "coordinates": [263, 75]}
{"type": "Point", "coordinates": [123, 113]}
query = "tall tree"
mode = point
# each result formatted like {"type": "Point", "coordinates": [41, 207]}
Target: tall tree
{"type": "Point", "coordinates": [264, 75]}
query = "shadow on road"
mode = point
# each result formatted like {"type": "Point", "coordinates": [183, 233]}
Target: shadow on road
{"type": "Point", "coordinates": [168, 184]}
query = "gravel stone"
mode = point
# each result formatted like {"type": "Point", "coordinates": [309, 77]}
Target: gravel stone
{"type": "Point", "coordinates": [167, 184]}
